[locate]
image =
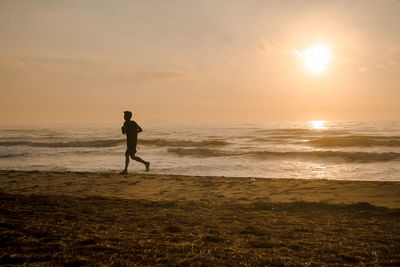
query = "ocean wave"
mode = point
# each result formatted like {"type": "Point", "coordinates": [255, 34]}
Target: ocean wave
{"type": "Point", "coordinates": [357, 141]}
{"type": "Point", "coordinates": [358, 157]}
{"type": "Point", "coordinates": [13, 155]}
{"type": "Point", "coordinates": [116, 142]}
{"type": "Point", "coordinates": [277, 139]}
{"type": "Point", "coordinates": [296, 132]}
{"type": "Point", "coordinates": [182, 143]}
{"type": "Point", "coordinates": [201, 152]}
{"type": "Point", "coordinates": [86, 143]}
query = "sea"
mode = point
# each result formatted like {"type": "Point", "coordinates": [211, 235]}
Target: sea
{"type": "Point", "coordinates": [339, 150]}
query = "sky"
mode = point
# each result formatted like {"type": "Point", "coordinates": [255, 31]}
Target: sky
{"type": "Point", "coordinates": [85, 62]}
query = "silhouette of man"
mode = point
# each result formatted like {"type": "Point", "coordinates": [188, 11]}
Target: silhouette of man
{"type": "Point", "coordinates": [131, 129]}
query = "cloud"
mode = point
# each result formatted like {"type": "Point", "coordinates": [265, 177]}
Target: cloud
{"type": "Point", "coordinates": [385, 66]}
{"type": "Point", "coordinates": [391, 65]}
{"type": "Point", "coordinates": [394, 65]}
{"type": "Point", "coordinates": [364, 69]}
{"type": "Point", "coordinates": [160, 75]}
{"type": "Point", "coordinates": [11, 64]}
{"type": "Point", "coordinates": [272, 49]}
{"type": "Point", "coordinates": [126, 72]}
{"type": "Point", "coordinates": [39, 64]}
{"type": "Point", "coordinates": [40, 68]}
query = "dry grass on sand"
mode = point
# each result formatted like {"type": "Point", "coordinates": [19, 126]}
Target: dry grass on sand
{"type": "Point", "coordinates": [68, 230]}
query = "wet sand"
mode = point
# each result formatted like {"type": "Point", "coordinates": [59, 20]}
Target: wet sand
{"type": "Point", "coordinates": [150, 219]}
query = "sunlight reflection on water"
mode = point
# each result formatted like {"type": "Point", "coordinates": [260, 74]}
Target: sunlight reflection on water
{"type": "Point", "coordinates": [318, 125]}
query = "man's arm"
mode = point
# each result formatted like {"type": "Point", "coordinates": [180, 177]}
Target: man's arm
{"type": "Point", "coordinates": [123, 128]}
{"type": "Point", "coordinates": [139, 130]}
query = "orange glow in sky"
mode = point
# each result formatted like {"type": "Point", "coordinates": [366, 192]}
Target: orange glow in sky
{"type": "Point", "coordinates": [198, 61]}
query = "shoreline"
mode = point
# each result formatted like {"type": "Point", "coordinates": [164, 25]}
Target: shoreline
{"type": "Point", "coordinates": [144, 173]}
{"type": "Point", "coordinates": [150, 173]}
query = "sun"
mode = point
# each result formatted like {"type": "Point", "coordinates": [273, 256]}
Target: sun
{"type": "Point", "coordinates": [316, 58]}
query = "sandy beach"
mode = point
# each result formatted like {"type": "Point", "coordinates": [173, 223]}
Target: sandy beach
{"type": "Point", "coordinates": [76, 218]}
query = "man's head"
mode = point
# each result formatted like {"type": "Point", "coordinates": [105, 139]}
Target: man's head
{"type": "Point", "coordinates": [127, 115]}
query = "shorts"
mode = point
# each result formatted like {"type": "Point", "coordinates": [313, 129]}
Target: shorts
{"type": "Point", "coordinates": [131, 148]}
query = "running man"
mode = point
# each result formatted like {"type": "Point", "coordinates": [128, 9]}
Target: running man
{"type": "Point", "coordinates": [131, 129]}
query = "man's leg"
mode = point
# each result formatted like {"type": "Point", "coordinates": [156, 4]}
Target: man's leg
{"type": "Point", "coordinates": [146, 163]}
{"type": "Point", "coordinates": [125, 171]}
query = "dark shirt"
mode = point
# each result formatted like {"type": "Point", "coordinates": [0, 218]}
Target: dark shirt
{"type": "Point", "coordinates": [131, 130]}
